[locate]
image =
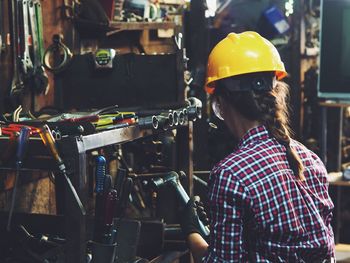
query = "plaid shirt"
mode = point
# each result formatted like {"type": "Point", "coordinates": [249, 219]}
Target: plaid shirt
{"type": "Point", "coordinates": [260, 212]}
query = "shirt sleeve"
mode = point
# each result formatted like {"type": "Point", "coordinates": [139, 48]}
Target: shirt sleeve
{"type": "Point", "coordinates": [226, 202]}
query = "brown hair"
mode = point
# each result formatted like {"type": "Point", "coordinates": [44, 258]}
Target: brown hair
{"type": "Point", "coordinates": [271, 109]}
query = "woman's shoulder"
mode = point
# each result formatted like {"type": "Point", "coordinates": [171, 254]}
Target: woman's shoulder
{"type": "Point", "coordinates": [303, 151]}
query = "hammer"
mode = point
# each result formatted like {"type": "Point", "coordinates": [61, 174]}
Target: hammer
{"type": "Point", "coordinates": [172, 178]}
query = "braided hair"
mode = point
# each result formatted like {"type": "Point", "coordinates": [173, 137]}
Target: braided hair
{"type": "Point", "coordinates": [267, 105]}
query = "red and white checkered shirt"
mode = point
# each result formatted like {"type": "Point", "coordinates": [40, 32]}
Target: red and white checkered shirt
{"type": "Point", "coordinates": [260, 212]}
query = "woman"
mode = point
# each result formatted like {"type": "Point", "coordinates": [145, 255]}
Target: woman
{"type": "Point", "coordinates": [268, 199]}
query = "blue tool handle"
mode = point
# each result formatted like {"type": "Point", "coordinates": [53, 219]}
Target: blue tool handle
{"type": "Point", "coordinates": [100, 174]}
{"type": "Point", "coordinates": [22, 144]}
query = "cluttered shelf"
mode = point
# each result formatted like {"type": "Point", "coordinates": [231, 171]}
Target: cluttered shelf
{"type": "Point", "coordinates": [116, 27]}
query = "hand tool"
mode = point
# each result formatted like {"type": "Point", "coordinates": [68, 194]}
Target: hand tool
{"type": "Point", "coordinates": [72, 129]}
{"type": "Point", "coordinates": [124, 197]}
{"type": "Point", "coordinates": [103, 58]}
{"type": "Point", "coordinates": [27, 63]}
{"type": "Point", "coordinates": [137, 195]}
{"type": "Point", "coordinates": [39, 21]}
{"type": "Point", "coordinates": [40, 78]}
{"type": "Point", "coordinates": [14, 127]}
{"type": "Point", "coordinates": [109, 232]}
{"type": "Point", "coordinates": [2, 29]}
{"type": "Point", "coordinates": [17, 85]}
{"type": "Point", "coordinates": [12, 130]}
{"type": "Point", "coordinates": [75, 117]}
{"type": "Point", "coordinates": [105, 205]}
{"type": "Point", "coordinates": [172, 178]}
{"type": "Point", "coordinates": [49, 141]}
{"type": "Point", "coordinates": [200, 181]}
{"type": "Point", "coordinates": [119, 181]}
{"type": "Point", "coordinates": [21, 148]}
{"type": "Point", "coordinates": [112, 127]}
{"type": "Point", "coordinates": [113, 121]}
{"type": "Point", "coordinates": [100, 176]}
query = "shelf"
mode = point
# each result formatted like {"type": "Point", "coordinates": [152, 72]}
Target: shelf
{"type": "Point", "coordinates": [172, 2]}
{"type": "Point", "coordinates": [116, 27]}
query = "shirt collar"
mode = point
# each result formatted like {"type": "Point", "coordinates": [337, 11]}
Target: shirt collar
{"type": "Point", "coordinates": [255, 134]}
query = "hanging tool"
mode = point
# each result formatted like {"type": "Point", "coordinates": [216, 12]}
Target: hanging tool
{"type": "Point", "coordinates": [27, 63]}
{"type": "Point", "coordinates": [57, 48]}
{"type": "Point", "coordinates": [40, 79]}
{"type": "Point", "coordinates": [49, 141]}
{"type": "Point", "coordinates": [2, 28]}
{"type": "Point", "coordinates": [104, 58]}
{"type": "Point", "coordinates": [172, 178]}
{"type": "Point", "coordinates": [39, 21]}
{"type": "Point", "coordinates": [17, 85]}
{"type": "Point", "coordinates": [21, 148]}
{"type": "Point", "coordinates": [119, 181]}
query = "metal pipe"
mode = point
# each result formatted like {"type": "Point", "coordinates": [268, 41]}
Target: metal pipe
{"type": "Point", "coordinates": [149, 122]}
{"type": "Point", "coordinates": [170, 117]}
{"type": "Point", "coordinates": [163, 122]}
{"type": "Point", "coordinates": [176, 118]}
{"type": "Point", "coordinates": [181, 117]}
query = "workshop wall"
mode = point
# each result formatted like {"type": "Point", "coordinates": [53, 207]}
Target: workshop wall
{"type": "Point", "coordinates": [52, 24]}
{"type": "Point", "coordinates": [35, 193]}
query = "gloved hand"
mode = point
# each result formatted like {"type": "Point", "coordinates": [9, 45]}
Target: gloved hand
{"type": "Point", "coordinates": [190, 216]}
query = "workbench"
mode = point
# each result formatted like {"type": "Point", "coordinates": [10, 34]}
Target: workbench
{"type": "Point", "coordinates": [74, 151]}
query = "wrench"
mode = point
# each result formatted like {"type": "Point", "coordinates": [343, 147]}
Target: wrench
{"type": "Point", "coordinates": [40, 78]}
{"type": "Point", "coordinates": [27, 63]}
{"type": "Point", "coordinates": [2, 29]}
{"type": "Point", "coordinates": [17, 85]}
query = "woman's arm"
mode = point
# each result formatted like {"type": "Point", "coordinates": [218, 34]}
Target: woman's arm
{"type": "Point", "coordinates": [198, 246]}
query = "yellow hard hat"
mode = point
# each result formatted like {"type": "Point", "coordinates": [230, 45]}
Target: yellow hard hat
{"type": "Point", "coordinates": [243, 53]}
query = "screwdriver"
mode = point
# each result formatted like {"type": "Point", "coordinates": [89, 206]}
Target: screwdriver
{"type": "Point", "coordinates": [21, 148]}
{"type": "Point", "coordinates": [49, 141]}
{"type": "Point", "coordinates": [100, 176]}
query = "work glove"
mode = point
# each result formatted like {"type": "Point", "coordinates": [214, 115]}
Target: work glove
{"type": "Point", "coordinates": [190, 216]}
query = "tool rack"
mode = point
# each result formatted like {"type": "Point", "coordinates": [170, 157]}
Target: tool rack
{"type": "Point", "coordinates": [74, 152]}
